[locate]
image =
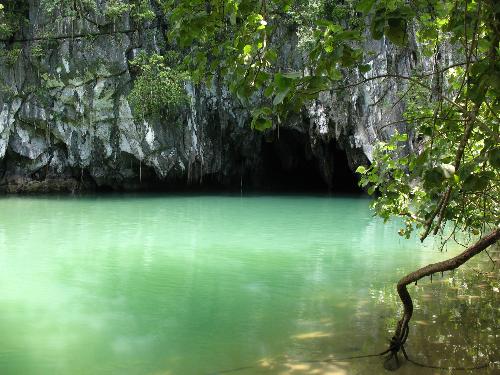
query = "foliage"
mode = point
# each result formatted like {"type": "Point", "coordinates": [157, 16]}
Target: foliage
{"type": "Point", "coordinates": [15, 12]}
{"type": "Point", "coordinates": [72, 9]}
{"type": "Point", "coordinates": [158, 89]}
{"type": "Point", "coordinates": [37, 51]}
{"type": "Point", "coordinates": [116, 8]}
{"type": "Point", "coordinates": [4, 26]}
{"type": "Point", "coordinates": [11, 55]}
{"type": "Point", "coordinates": [247, 59]}
{"type": "Point", "coordinates": [452, 175]}
{"type": "Point", "coordinates": [139, 10]}
{"type": "Point", "coordinates": [13, 16]}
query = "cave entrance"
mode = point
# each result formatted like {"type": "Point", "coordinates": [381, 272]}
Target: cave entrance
{"type": "Point", "coordinates": [343, 179]}
{"type": "Point", "coordinates": [289, 164]}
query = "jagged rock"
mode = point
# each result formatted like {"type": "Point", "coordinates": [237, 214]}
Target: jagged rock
{"type": "Point", "coordinates": [75, 120]}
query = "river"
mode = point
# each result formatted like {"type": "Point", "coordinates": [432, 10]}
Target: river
{"type": "Point", "coordinates": [201, 284]}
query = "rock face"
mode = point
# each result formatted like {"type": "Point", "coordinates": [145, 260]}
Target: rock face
{"type": "Point", "coordinates": [66, 123]}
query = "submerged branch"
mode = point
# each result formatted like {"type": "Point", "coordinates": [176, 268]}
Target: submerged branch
{"type": "Point", "coordinates": [401, 334]}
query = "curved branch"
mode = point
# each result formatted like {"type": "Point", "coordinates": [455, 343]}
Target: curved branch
{"type": "Point", "coordinates": [401, 333]}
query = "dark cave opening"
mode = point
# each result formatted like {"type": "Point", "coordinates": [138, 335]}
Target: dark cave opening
{"type": "Point", "coordinates": [284, 164]}
{"type": "Point", "coordinates": [287, 165]}
{"type": "Point", "coordinates": [344, 180]}
{"type": "Point", "coordinates": [290, 165]}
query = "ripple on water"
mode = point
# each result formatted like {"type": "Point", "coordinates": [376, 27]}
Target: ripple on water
{"type": "Point", "coordinates": [193, 285]}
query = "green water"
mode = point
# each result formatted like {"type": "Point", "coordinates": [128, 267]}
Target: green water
{"type": "Point", "coordinates": [193, 284]}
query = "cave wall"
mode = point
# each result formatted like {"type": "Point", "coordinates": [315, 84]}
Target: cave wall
{"type": "Point", "coordinates": [66, 123]}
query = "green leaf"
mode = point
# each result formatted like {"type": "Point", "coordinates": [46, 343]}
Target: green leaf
{"type": "Point", "coordinates": [334, 74]}
{"type": "Point", "coordinates": [244, 93]}
{"type": "Point", "coordinates": [282, 83]}
{"type": "Point", "coordinates": [364, 6]}
{"type": "Point", "coordinates": [232, 18]}
{"type": "Point", "coordinates": [280, 96]}
{"type": "Point", "coordinates": [316, 84]}
{"type": "Point", "coordinates": [247, 49]}
{"type": "Point", "coordinates": [365, 68]}
{"type": "Point", "coordinates": [292, 75]}
{"type": "Point", "coordinates": [475, 182]}
{"type": "Point", "coordinates": [258, 112]}
{"type": "Point", "coordinates": [433, 177]}
{"type": "Point", "coordinates": [426, 130]}
{"type": "Point", "coordinates": [348, 57]}
{"type": "Point", "coordinates": [396, 30]}
{"type": "Point", "coordinates": [266, 111]}
{"type": "Point", "coordinates": [361, 169]}
{"type": "Point", "coordinates": [377, 25]}
{"type": "Point", "coordinates": [261, 124]}
{"type": "Point", "coordinates": [268, 92]}
{"type": "Point", "coordinates": [271, 55]}
{"type": "Point", "coordinates": [494, 157]}
{"type": "Point", "coordinates": [401, 137]}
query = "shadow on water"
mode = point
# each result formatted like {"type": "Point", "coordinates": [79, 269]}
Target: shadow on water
{"type": "Point", "coordinates": [455, 330]}
{"type": "Point", "coordinates": [199, 285]}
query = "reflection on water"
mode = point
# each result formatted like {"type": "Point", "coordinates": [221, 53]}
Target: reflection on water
{"type": "Point", "coordinates": [197, 285]}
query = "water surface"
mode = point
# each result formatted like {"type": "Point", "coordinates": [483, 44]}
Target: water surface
{"type": "Point", "coordinates": [194, 284]}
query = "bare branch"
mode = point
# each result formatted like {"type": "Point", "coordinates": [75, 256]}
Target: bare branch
{"type": "Point", "coordinates": [401, 333]}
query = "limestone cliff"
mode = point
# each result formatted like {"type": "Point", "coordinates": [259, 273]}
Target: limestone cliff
{"type": "Point", "coordinates": [66, 123]}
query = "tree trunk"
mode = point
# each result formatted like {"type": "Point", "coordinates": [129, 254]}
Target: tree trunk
{"type": "Point", "coordinates": [401, 334]}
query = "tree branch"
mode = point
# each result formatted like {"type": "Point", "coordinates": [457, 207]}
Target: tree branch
{"type": "Point", "coordinates": [401, 333]}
